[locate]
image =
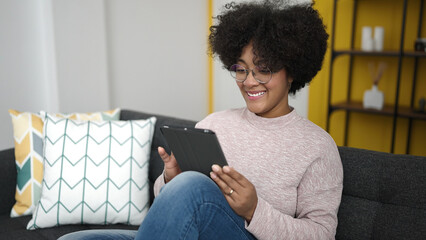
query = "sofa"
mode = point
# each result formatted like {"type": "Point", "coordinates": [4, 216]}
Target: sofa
{"type": "Point", "coordinates": [384, 195]}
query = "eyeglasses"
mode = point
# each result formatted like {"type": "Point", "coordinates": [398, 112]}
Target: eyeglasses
{"type": "Point", "coordinates": [261, 74]}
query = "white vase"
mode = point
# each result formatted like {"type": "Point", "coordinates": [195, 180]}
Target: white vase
{"type": "Point", "coordinates": [373, 98]}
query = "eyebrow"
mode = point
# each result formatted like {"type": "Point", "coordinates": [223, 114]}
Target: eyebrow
{"type": "Point", "coordinates": [241, 60]}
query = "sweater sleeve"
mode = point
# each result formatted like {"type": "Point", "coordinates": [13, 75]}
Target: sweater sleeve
{"type": "Point", "coordinates": [159, 183]}
{"type": "Point", "coordinates": [319, 195]}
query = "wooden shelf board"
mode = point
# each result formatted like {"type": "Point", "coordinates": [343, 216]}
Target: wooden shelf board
{"type": "Point", "coordinates": [387, 110]}
{"type": "Point", "coordinates": [409, 113]}
{"type": "Point", "coordinates": [388, 53]}
{"type": "Point", "coordinates": [415, 54]}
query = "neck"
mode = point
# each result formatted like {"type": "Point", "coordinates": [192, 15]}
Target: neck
{"type": "Point", "coordinates": [277, 113]}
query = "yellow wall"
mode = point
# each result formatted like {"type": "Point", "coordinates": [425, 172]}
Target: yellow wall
{"type": "Point", "coordinates": [365, 130]}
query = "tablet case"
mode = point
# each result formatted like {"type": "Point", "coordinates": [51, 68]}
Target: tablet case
{"type": "Point", "coordinates": [194, 149]}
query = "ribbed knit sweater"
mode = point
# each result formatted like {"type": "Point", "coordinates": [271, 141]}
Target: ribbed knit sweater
{"type": "Point", "coordinates": [293, 164]}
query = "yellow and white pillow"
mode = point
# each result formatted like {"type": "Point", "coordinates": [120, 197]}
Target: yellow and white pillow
{"type": "Point", "coordinates": [28, 135]}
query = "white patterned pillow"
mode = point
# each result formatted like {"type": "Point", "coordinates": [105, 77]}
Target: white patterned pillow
{"type": "Point", "coordinates": [94, 172]}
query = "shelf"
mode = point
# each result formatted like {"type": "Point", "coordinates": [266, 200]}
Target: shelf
{"type": "Point", "coordinates": [409, 113]}
{"type": "Point", "coordinates": [337, 53]}
{"type": "Point", "coordinates": [414, 54]}
{"type": "Point", "coordinates": [387, 110]}
{"type": "Point", "coordinates": [393, 111]}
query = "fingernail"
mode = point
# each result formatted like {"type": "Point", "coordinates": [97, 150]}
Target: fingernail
{"type": "Point", "coordinates": [213, 175]}
{"type": "Point", "coordinates": [226, 169]}
{"type": "Point", "coordinates": [215, 168]}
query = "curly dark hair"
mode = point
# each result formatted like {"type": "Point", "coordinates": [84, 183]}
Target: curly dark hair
{"type": "Point", "coordinates": [290, 37]}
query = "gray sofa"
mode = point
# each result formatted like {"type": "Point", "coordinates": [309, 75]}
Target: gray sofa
{"type": "Point", "coordinates": [384, 195]}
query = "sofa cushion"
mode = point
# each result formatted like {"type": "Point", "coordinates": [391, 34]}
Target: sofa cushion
{"type": "Point", "coordinates": [95, 172]}
{"type": "Point", "coordinates": [384, 196]}
{"type": "Point", "coordinates": [7, 181]}
{"type": "Point", "coordinates": [28, 134]}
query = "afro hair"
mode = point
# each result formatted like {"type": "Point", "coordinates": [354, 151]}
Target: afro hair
{"type": "Point", "coordinates": [290, 37]}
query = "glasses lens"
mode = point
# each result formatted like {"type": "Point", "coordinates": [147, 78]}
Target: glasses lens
{"type": "Point", "coordinates": [238, 72]}
{"type": "Point", "coordinates": [262, 74]}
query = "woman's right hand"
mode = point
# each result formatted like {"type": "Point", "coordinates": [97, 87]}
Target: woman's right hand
{"type": "Point", "coordinates": [171, 167]}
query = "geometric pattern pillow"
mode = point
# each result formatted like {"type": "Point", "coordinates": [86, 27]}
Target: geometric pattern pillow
{"type": "Point", "coordinates": [94, 172]}
{"type": "Point", "coordinates": [28, 135]}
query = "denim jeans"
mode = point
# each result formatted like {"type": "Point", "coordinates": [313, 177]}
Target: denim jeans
{"type": "Point", "coordinates": [101, 234]}
{"type": "Point", "coordinates": [191, 206]}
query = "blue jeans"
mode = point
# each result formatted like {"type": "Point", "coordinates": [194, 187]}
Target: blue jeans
{"type": "Point", "coordinates": [101, 234]}
{"type": "Point", "coordinates": [191, 206]}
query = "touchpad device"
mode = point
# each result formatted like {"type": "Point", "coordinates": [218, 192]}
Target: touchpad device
{"type": "Point", "coordinates": [195, 149]}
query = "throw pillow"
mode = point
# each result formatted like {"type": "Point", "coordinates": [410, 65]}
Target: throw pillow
{"type": "Point", "coordinates": [28, 135]}
{"type": "Point", "coordinates": [94, 172]}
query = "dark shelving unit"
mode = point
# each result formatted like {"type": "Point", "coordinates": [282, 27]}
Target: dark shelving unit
{"type": "Point", "coordinates": [395, 111]}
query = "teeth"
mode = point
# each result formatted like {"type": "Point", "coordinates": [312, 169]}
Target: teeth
{"type": "Point", "coordinates": [256, 94]}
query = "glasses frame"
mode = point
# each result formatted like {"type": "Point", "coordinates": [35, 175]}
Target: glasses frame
{"type": "Point", "coordinates": [247, 70]}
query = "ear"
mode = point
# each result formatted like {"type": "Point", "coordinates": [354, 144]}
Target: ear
{"type": "Point", "coordinates": [289, 82]}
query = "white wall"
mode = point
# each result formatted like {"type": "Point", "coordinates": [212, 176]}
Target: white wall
{"type": "Point", "coordinates": [78, 55]}
{"type": "Point", "coordinates": [81, 55]}
{"type": "Point", "coordinates": [23, 80]}
{"type": "Point", "coordinates": [158, 57]}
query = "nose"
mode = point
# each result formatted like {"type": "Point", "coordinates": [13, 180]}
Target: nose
{"type": "Point", "coordinates": [250, 80]}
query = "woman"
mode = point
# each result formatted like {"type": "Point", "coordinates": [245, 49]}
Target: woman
{"type": "Point", "coordinates": [284, 179]}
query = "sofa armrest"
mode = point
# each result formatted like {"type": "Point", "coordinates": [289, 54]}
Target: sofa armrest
{"type": "Point", "coordinates": [7, 180]}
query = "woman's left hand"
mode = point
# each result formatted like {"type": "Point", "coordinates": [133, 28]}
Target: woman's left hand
{"type": "Point", "coordinates": [239, 192]}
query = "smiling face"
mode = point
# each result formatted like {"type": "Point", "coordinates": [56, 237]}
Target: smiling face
{"type": "Point", "coordinates": [266, 100]}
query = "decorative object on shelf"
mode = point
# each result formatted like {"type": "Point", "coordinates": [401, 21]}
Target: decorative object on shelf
{"type": "Point", "coordinates": [420, 45]}
{"type": "Point", "coordinates": [370, 42]}
{"type": "Point", "coordinates": [422, 103]}
{"type": "Point", "coordinates": [379, 35]}
{"type": "Point", "coordinates": [374, 98]}
{"type": "Point", "coordinates": [367, 43]}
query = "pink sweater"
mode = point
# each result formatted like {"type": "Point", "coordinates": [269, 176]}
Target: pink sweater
{"type": "Point", "coordinates": [294, 165]}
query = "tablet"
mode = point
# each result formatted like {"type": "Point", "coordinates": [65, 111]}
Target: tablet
{"type": "Point", "coordinates": [194, 149]}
